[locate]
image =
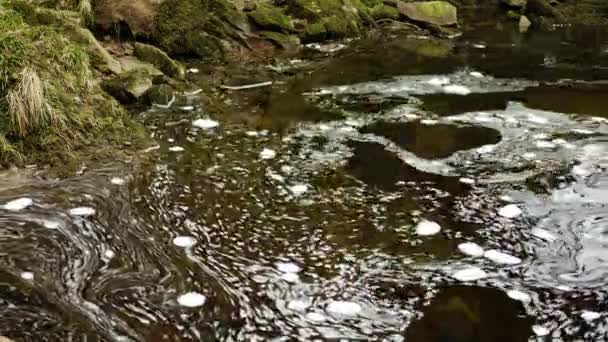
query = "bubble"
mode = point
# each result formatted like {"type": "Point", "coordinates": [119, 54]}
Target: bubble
{"type": "Point", "coordinates": [176, 149]}
{"type": "Point", "coordinates": [18, 204]}
{"type": "Point", "coordinates": [427, 228]}
{"type": "Point", "coordinates": [540, 331]}
{"type": "Point", "coordinates": [82, 211]}
{"type": "Point", "coordinates": [298, 189]}
{"type": "Point", "coordinates": [519, 295]}
{"type": "Point", "coordinates": [267, 154]}
{"type": "Point", "coordinates": [510, 211]}
{"type": "Point", "coordinates": [287, 267]}
{"type": "Point", "coordinates": [470, 274]}
{"type": "Point", "coordinates": [205, 123]}
{"type": "Point", "coordinates": [590, 315]}
{"type": "Point", "coordinates": [184, 241]}
{"type": "Point", "coordinates": [501, 258]}
{"type": "Point", "coordinates": [191, 299]}
{"type": "Point", "coordinates": [298, 305]}
{"type": "Point", "coordinates": [456, 89]}
{"type": "Point", "coordinates": [27, 275]}
{"type": "Point", "coordinates": [117, 181]}
{"type": "Point", "coordinates": [471, 248]}
{"type": "Point", "coordinates": [344, 308]}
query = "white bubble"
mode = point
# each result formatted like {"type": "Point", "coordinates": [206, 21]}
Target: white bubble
{"type": "Point", "coordinates": [298, 305]}
{"type": "Point", "coordinates": [108, 254]}
{"type": "Point", "coordinates": [470, 274]}
{"type": "Point", "coordinates": [519, 296]}
{"type": "Point", "coordinates": [117, 181]}
{"type": "Point", "coordinates": [176, 149]}
{"type": "Point", "coordinates": [344, 308]}
{"type": "Point", "coordinates": [267, 154]}
{"type": "Point", "coordinates": [470, 248]}
{"type": "Point", "coordinates": [205, 123]}
{"type": "Point", "coordinates": [193, 70]}
{"type": "Point", "coordinates": [510, 211]}
{"type": "Point", "coordinates": [298, 189]}
{"type": "Point", "coordinates": [184, 241]}
{"type": "Point", "coordinates": [82, 211]}
{"type": "Point", "coordinates": [456, 89]}
{"type": "Point", "coordinates": [287, 267]}
{"type": "Point", "coordinates": [479, 46]}
{"type": "Point", "coordinates": [18, 204]}
{"type": "Point", "coordinates": [590, 315]}
{"type": "Point", "coordinates": [188, 108]}
{"type": "Point", "coordinates": [540, 331]}
{"type": "Point", "coordinates": [439, 81]}
{"type": "Point", "coordinates": [426, 228]}
{"type": "Point", "coordinates": [27, 275]}
{"type": "Point", "coordinates": [191, 299]}
{"type": "Point", "coordinates": [476, 74]}
{"type": "Point", "coordinates": [286, 168]}
{"type": "Point", "coordinates": [501, 258]}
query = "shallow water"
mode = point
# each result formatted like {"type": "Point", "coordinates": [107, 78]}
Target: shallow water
{"type": "Point", "coordinates": [342, 220]}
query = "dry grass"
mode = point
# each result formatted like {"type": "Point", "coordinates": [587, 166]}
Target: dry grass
{"type": "Point", "coordinates": [28, 107]}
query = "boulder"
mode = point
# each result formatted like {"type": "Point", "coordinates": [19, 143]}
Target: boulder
{"type": "Point", "coordinates": [440, 13]}
{"type": "Point", "coordinates": [524, 23]}
{"type": "Point", "coordinates": [159, 59]}
{"type": "Point", "coordinates": [271, 18]}
{"type": "Point", "coordinates": [138, 15]}
{"type": "Point", "coordinates": [128, 87]}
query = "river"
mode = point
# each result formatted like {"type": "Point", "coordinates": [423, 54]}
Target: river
{"type": "Point", "coordinates": [394, 189]}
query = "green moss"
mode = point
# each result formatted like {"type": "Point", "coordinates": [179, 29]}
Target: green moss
{"type": "Point", "coordinates": [270, 17]}
{"type": "Point", "coordinates": [176, 22]}
{"type": "Point", "coordinates": [129, 86]}
{"type": "Point", "coordinates": [281, 39]}
{"type": "Point", "coordinates": [385, 12]}
{"type": "Point", "coordinates": [338, 26]}
{"type": "Point", "coordinates": [159, 59]}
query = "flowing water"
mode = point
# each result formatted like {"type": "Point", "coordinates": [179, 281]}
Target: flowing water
{"type": "Point", "coordinates": [400, 189]}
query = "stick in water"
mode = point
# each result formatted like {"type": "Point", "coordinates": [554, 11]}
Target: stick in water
{"type": "Point", "coordinates": [247, 86]}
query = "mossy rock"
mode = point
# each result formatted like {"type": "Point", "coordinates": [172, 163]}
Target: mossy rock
{"type": "Point", "coordinates": [440, 13]}
{"type": "Point", "coordinates": [159, 59]}
{"type": "Point", "coordinates": [385, 12]}
{"type": "Point", "coordinates": [271, 18]}
{"type": "Point", "coordinates": [283, 40]}
{"type": "Point", "coordinates": [339, 26]}
{"type": "Point", "coordinates": [130, 86]}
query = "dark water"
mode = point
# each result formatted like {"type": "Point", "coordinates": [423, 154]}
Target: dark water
{"type": "Point", "coordinates": [397, 190]}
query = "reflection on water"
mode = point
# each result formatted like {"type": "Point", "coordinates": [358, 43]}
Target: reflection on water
{"type": "Point", "coordinates": [311, 230]}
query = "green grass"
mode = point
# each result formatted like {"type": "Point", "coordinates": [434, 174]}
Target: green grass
{"type": "Point", "coordinates": [51, 110]}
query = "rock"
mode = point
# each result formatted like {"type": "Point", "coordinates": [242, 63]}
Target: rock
{"type": "Point", "coordinates": [513, 15]}
{"type": "Point", "coordinates": [524, 24]}
{"type": "Point", "coordinates": [329, 19]}
{"type": "Point", "coordinates": [160, 94]}
{"type": "Point", "coordinates": [285, 41]}
{"type": "Point", "coordinates": [385, 12]}
{"type": "Point", "coordinates": [103, 59]}
{"type": "Point", "coordinates": [159, 59]}
{"type": "Point", "coordinates": [515, 3]}
{"type": "Point", "coordinates": [5, 339]}
{"type": "Point", "coordinates": [440, 13]}
{"type": "Point", "coordinates": [130, 63]}
{"type": "Point", "coordinates": [128, 87]}
{"type": "Point", "coordinates": [271, 18]}
{"type": "Point", "coordinates": [544, 9]}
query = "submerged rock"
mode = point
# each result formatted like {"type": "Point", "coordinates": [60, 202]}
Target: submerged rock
{"type": "Point", "coordinates": [161, 94]}
{"type": "Point", "coordinates": [128, 87]}
{"type": "Point", "coordinates": [440, 13]}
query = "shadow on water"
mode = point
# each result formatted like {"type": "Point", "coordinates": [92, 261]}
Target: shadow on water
{"type": "Point", "coordinates": [471, 314]}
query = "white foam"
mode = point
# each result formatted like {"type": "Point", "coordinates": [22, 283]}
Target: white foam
{"type": "Point", "coordinates": [176, 149]}
{"type": "Point", "coordinates": [456, 89]}
{"type": "Point", "coordinates": [49, 224]}
{"type": "Point", "coordinates": [252, 134]}
{"type": "Point", "coordinates": [82, 211]}
{"type": "Point", "coordinates": [581, 171]}
{"type": "Point", "coordinates": [298, 189]}
{"type": "Point", "coordinates": [582, 131]}
{"type": "Point", "coordinates": [479, 46]}
{"type": "Point", "coordinates": [529, 155]}
{"type": "Point", "coordinates": [267, 154]}
{"type": "Point", "coordinates": [510, 211]}
{"type": "Point", "coordinates": [117, 181]}
{"type": "Point", "coordinates": [537, 119]}
{"type": "Point", "coordinates": [471, 249]}
{"type": "Point", "coordinates": [426, 228]}
{"type": "Point", "coordinates": [543, 234]}
{"type": "Point", "coordinates": [193, 70]}
{"type": "Point", "coordinates": [519, 296]}
{"type": "Point", "coordinates": [464, 180]}
{"type": "Point", "coordinates": [184, 241]}
{"type": "Point", "coordinates": [501, 258]}
{"type": "Point", "coordinates": [27, 275]}
{"type": "Point", "coordinates": [315, 317]}
{"type": "Point", "coordinates": [286, 169]}
{"type": "Point", "coordinates": [590, 315]}
{"type": "Point", "coordinates": [540, 331]}
{"type": "Point", "coordinates": [470, 274]}
{"type": "Point", "coordinates": [344, 308]}
{"type": "Point", "coordinates": [205, 123]}
{"type": "Point", "coordinates": [298, 305]}
{"type": "Point", "coordinates": [438, 81]}
{"type": "Point", "coordinates": [486, 149]}
{"type": "Point", "coordinates": [545, 144]}
{"type": "Point", "coordinates": [476, 74]}
{"type": "Point", "coordinates": [188, 108]}
{"type": "Point", "coordinates": [191, 299]}
{"type": "Point", "coordinates": [290, 277]}
{"type": "Point", "coordinates": [287, 267]}
{"type": "Point", "coordinates": [18, 204]}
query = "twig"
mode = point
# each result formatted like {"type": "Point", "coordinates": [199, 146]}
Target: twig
{"type": "Point", "coordinates": [247, 86]}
